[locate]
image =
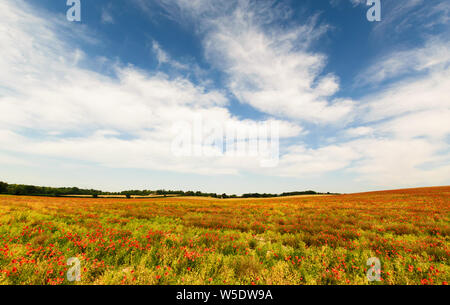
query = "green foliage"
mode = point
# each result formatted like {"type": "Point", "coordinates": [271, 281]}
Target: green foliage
{"type": "Point", "coordinates": [135, 192]}
{"type": "Point", "coordinates": [3, 187]}
{"type": "Point", "coordinates": [19, 189]}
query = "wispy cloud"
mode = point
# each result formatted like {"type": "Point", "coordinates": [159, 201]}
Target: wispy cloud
{"type": "Point", "coordinates": [241, 39]}
{"type": "Point", "coordinates": [125, 121]}
{"type": "Point", "coordinates": [164, 58]}
{"type": "Point", "coordinates": [107, 16]}
{"type": "Point", "coordinates": [434, 55]}
{"type": "Point", "coordinates": [402, 15]}
{"type": "Point", "coordinates": [353, 2]}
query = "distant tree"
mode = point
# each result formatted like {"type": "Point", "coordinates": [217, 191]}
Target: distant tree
{"type": "Point", "coordinates": [30, 189]}
{"type": "Point", "coordinates": [17, 189]}
{"type": "Point", "coordinates": [75, 191]}
{"type": "Point", "coordinates": [3, 187]}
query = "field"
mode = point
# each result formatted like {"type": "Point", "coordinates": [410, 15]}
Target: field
{"type": "Point", "coordinates": [289, 240]}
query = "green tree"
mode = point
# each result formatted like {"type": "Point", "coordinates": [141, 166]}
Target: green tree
{"type": "Point", "coordinates": [3, 187]}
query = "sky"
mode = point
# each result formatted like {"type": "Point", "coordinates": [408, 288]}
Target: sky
{"type": "Point", "coordinates": [359, 105]}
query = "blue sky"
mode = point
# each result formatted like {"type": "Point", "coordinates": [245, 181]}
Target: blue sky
{"type": "Point", "coordinates": [361, 105]}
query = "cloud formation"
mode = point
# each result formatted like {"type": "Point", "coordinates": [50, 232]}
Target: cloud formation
{"type": "Point", "coordinates": [52, 105]}
{"type": "Point", "coordinates": [73, 112]}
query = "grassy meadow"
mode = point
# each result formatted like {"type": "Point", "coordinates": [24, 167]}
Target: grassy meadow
{"type": "Point", "coordinates": [290, 240]}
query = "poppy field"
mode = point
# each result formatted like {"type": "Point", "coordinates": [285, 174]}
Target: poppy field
{"type": "Point", "coordinates": [182, 240]}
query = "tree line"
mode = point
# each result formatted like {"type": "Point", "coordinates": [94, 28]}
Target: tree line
{"type": "Point", "coordinates": [22, 189]}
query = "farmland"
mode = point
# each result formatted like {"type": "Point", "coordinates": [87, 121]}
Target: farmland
{"type": "Point", "coordinates": [286, 240]}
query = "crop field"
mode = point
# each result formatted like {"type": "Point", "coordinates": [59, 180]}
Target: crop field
{"type": "Point", "coordinates": [288, 240]}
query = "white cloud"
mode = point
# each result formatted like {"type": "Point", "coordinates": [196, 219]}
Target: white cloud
{"type": "Point", "coordinates": [403, 132]}
{"type": "Point", "coordinates": [268, 67]}
{"type": "Point", "coordinates": [164, 58]}
{"type": "Point", "coordinates": [161, 55]}
{"type": "Point", "coordinates": [106, 16]}
{"type": "Point", "coordinates": [401, 15]}
{"type": "Point", "coordinates": [301, 161]}
{"type": "Point", "coordinates": [434, 55]}
{"type": "Point", "coordinates": [358, 2]}
{"type": "Point", "coordinates": [353, 2]}
{"type": "Point", "coordinates": [407, 96]}
{"type": "Point", "coordinates": [359, 131]}
{"type": "Point", "coordinates": [407, 123]}
{"type": "Point", "coordinates": [399, 137]}
{"type": "Point", "coordinates": [401, 162]}
{"type": "Point", "coordinates": [431, 124]}
{"type": "Point", "coordinates": [80, 114]}
{"type": "Point", "coordinates": [9, 159]}
{"type": "Point", "coordinates": [291, 85]}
